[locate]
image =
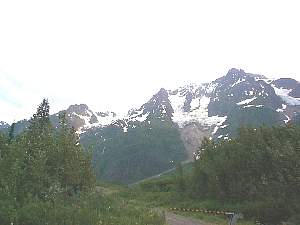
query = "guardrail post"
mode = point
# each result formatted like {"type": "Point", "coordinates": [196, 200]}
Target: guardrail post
{"type": "Point", "coordinates": [233, 217]}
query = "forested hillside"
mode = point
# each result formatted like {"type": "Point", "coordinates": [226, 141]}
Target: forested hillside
{"type": "Point", "coordinates": [257, 173]}
{"type": "Point", "coordinates": [169, 126]}
{"type": "Point", "coordinates": [39, 169]}
{"type": "Point", "coordinates": [46, 178]}
{"type": "Point", "coordinates": [261, 166]}
{"type": "Point", "coordinates": [144, 150]}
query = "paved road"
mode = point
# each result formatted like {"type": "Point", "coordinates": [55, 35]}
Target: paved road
{"type": "Point", "coordinates": [173, 219]}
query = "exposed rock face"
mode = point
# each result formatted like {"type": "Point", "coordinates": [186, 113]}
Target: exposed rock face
{"type": "Point", "coordinates": [4, 125]}
{"type": "Point", "coordinates": [148, 137]}
{"type": "Point", "coordinates": [106, 114]}
{"type": "Point", "coordinates": [289, 84]}
{"type": "Point", "coordinates": [157, 107]}
{"type": "Point", "coordinates": [80, 116]}
{"type": "Point", "coordinates": [192, 136]}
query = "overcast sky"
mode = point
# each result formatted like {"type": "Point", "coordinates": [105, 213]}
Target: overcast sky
{"type": "Point", "coordinates": [114, 55]}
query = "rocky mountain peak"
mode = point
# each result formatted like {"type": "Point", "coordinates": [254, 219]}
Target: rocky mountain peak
{"type": "Point", "coordinates": [288, 84]}
{"type": "Point", "coordinates": [158, 106]}
{"type": "Point", "coordinates": [3, 125]}
{"type": "Point", "coordinates": [80, 116]}
{"type": "Point", "coordinates": [160, 97]}
{"type": "Point", "coordinates": [208, 105]}
{"type": "Point", "coordinates": [236, 76]}
{"type": "Point", "coordinates": [233, 72]}
{"type": "Point", "coordinates": [106, 114]}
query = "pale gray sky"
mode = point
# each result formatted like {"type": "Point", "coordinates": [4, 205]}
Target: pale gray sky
{"type": "Point", "coordinates": [114, 55]}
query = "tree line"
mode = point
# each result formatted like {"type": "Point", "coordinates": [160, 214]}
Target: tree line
{"type": "Point", "coordinates": [39, 168]}
{"type": "Point", "coordinates": [259, 170]}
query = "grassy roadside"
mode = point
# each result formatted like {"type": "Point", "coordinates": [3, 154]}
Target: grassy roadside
{"type": "Point", "coordinates": [212, 219]}
{"type": "Point", "coordinates": [163, 200]}
{"type": "Point", "coordinates": [122, 211]}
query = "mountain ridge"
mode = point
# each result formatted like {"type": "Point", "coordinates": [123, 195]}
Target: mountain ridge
{"type": "Point", "coordinates": [169, 127]}
{"type": "Point", "coordinates": [191, 102]}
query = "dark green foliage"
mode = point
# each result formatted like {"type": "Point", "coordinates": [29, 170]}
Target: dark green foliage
{"type": "Point", "coordinates": [296, 119]}
{"type": "Point", "coordinates": [46, 178]}
{"type": "Point", "coordinates": [180, 183]}
{"type": "Point", "coordinates": [11, 132]}
{"type": "Point", "coordinates": [39, 167]}
{"type": "Point", "coordinates": [250, 117]}
{"type": "Point", "coordinates": [261, 165]}
{"type": "Point", "coordinates": [147, 149]}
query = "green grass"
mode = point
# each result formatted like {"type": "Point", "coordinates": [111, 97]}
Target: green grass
{"type": "Point", "coordinates": [168, 200]}
{"type": "Point", "coordinates": [125, 211]}
{"type": "Point", "coordinates": [105, 206]}
{"type": "Point", "coordinates": [159, 193]}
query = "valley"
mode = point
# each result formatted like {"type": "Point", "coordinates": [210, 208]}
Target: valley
{"type": "Point", "coordinates": [170, 126]}
{"type": "Point", "coordinates": [229, 145]}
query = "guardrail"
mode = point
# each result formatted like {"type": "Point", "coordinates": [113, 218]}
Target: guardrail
{"type": "Point", "coordinates": [232, 216]}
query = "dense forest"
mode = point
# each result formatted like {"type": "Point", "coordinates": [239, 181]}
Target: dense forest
{"type": "Point", "coordinates": [46, 177]}
{"type": "Point", "coordinates": [259, 169]}
{"type": "Point", "coordinates": [40, 170]}
{"type": "Point", "coordinates": [146, 149]}
{"type": "Point", "coordinates": [257, 173]}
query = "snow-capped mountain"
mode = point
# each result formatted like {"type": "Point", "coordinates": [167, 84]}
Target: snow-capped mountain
{"type": "Point", "coordinates": [82, 118]}
{"type": "Point", "coordinates": [209, 105]}
{"type": "Point", "coordinates": [169, 127]}
{"type": "Point", "coordinates": [79, 116]}
{"type": "Point", "coordinates": [217, 109]}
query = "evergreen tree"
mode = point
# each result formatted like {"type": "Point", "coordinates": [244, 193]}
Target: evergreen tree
{"type": "Point", "coordinates": [11, 132]}
{"type": "Point", "coordinates": [38, 169]}
{"type": "Point", "coordinates": [75, 170]}
{"type": "Point", "coordinates": [38, 144]}
{"type": "Point", "coordinates": [259, 165]}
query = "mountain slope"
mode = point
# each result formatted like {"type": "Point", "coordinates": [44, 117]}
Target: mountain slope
{"type": "Point", "coordinates": [215, 110]}
{"type": "Point", "coordinates": [169, 127]}
{"type": "Point", "coordinates": [145, 149]}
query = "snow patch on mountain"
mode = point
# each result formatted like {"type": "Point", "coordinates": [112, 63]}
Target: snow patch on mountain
{"type": "Point", "coordinates": [138, 116]}
{"type": "Point", "coordinates": [283, 107]}
{"type": "Point", "coordinates": [240, 80]}
{"type": "Point", "coordinates": [86, 124]}
{"type": "Point", "coordinates": [195, 103]}
{"type": "Point", "coordinates": [83, 118]}
{"type": "Point", "coordinates": [105, 118]}
{"type": "Point", "coordinates": [284, 94]}
{"type": "Point", "coordinates": [211, 87]}
{"type": "Point", "coordinates": [246, 101]}
{"type": "Point", "coordinates": [257, 106]}
{"type": "Point", "coordinates": [287, 119]}
{"type": "Point", "coordinates": [198, 112]}
{"type": "Point", "coordinates": [218, 120]}
{"type": "Point", "coordinates": [263, 78]}
{"type": "Point", "coordinates": [177, 102]}
{"type": "Point", "coordinates": [2, 123]}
